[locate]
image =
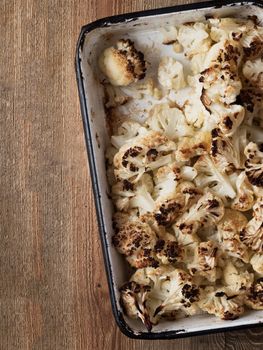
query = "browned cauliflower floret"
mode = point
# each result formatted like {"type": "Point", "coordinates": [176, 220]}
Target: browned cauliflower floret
{"type": "Point", "coordinates": [254, 164]}
{"type": "Point", "coordinates": [167, 212]}
{"type": "Point", "coordinates": [252, 234]}
{"type": "Point", "coordinates": [171, 290]}
{"type": "Point", "coordinates": [252, 42]}
{"type": "Point", "coordinates": [144, 154]}
{"type": "Point", "coordinates": [208, 210]}
{"type": "Point", "coordinates": [245, 195]}
{"type": "Point", "coordinates": [205, 261]}
{"type": "Point", "coordinates": [226, 152]}
{"type": "Point", "coordinates": [221, 303]}
{"type": "Point", "coordinates": [229, 117]}
{"type": "Point", "coordinates": [136, 241]}
{"type": "Point", "coordinates": [254, 299]}
{"type": "Point", "coordinates": [191, 146]}
{"type": "Point", "coordinates": [141, 246]}
{"type": "Point", "coordinates": [253, 72]}
{"type": "Point", "coordinates": [133, 300]}
{"type": "Point", "coordinates": [236, 280]}
{"type": "Point", "coordinates": [228, 230]}
{"type": "Point", "coordinates": [220, 85]}
{"type": "Point", "coordinates": [122, 64]}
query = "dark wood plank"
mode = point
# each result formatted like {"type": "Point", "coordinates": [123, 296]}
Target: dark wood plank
{"type": "Point", "coordinates": [53, 290]}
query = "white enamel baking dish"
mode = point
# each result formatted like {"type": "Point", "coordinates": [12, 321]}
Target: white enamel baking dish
{"type": "Point", "coordinates": [141, 27]}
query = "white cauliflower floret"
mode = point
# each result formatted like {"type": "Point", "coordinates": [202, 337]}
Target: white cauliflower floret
{"type": "Point", "coordinates": [236, 281]}
{"type": "Point", "coordinates": [227, 28]}
{"type": "Point", "coordinates": [142, 198]}
{"type": "Point", "coordinates": [254, 164]}
{"type": "Point", "coordinates": [254, 299]}
{"type": "Point", "coordinates": [252, 234]}
{"type": "Point", "coordinates": [208, 210]}
{"type": "Point", "coordinates": [127, 132]}
{"type": "Point", "coordinates": [257, 263]}
{"type": "Point", "coordinates": [245, 195]}
{"type": "Point", "coordinates": [253, 71]}
{"type": "Point", "coordinates": [205, 261]}
{"type": "Point", "coordinates": [168, 120]}
{"type": "Point", "coordinates": [194, 38]}
{"type": "Point", "coordinates": [221, 303]}
{"type": "Point", "coordinates": [146, 153]}
{"type": "Point", "coordinates": [122, 65]}
{"type": "Point", "coordinates": [188, 241]}
{"type": "Point", "coordinates": [210, 176]}
{"type": "Point", "coordinates": [228, 231]}
{"type": "Point", "coordinates": [165, 179]}
{"type": "Point", "coordinates": [171, 73]}
{"type": "Point", "coordinates": [133, 299]}
{"type": "Point", "coordinates": [195, 112]}
{"type": "Point", "coordinates": [192, 146]}
{"type": "Point", "coordinates": [226, 152]}
{"type": "Point", "coordinates": [120, 218]}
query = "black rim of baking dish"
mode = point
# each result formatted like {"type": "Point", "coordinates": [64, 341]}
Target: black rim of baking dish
{"type": "Point", "coordinates": [107, 22]}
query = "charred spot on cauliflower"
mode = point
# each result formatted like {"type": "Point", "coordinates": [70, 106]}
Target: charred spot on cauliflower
{"type": "Point", "coordinates": [254, 299]}
{"type": "Point", "coordinates": [122, 64]}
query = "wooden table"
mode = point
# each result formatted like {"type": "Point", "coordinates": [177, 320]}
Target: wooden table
{"type": "Point", "coordinates": [53, 291]}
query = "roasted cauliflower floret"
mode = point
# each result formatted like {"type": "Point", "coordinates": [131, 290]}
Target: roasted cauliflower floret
{"type": "Point", "coordinates": [253, 71]}
{"type": "Point", "coordinates": [194, 38]}
{"type": "Point", "coordinates": [209, 175]}
{"type": "Point", "coordinates": [167, 211]}
{"type": "Point", "coordinates": [136, 240]}
{"type": "Point", "coordinates": [245, 195]}
{"type": "Point", "coordinates": [127, 132]}
{"type": "Point", "coordinates": [133, 300]}
{"type": "Point", "coordinates": [208, 210]}
{"type": "Point", "coordinates": [252, 234]}
{"type": "Point", "coordinates": [228, 231]}
{"type": "Point", "coordinates": [229, 117]}
{"type": "Point", "coordinates": [196, 114]}
{"type": "Point", "coordinates": [189, 147]}
{"type": "Point", "coordinates": [221, 303]}
{"type": "Point", "coordinates": [226, 152]}
{"type": "Point", "coordinates": [141, 246]}
{"type": "Point", "coordinates": [205, 261]}
{"type": "Point", "coordinates": [122, 64]}
{"type": "Point", "coordinates": [168, 120]}
{"type": "Point", "coordinates": [171, 73]}
{"type": "Point", "coordinates": [147, 153]}
{"type": "Point", "coordinates": [252, 42]}
{"type": "Point", "coordinates": [257, 263]}
{"type": "Point", "coordinates": [254, 299]}
{"type": "Point", "coordinates": [220, 85]}
{"type": "Point", "coordinates": [236, 281]}
{"type": "Point", "coordinates": [227, 28]}
{"type": "Point", "coordinates": [171, 289]}
{"type": "Point", "coordinates": [254, 164]}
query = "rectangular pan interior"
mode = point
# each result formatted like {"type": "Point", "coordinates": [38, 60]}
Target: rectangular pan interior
{"type": "Point", "coordinates": [143, 28]}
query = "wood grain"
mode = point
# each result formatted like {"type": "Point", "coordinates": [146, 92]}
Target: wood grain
{"type": "Point", "coordinates": [53, 290]}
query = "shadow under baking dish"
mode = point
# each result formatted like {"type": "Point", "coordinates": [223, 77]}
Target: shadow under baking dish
{"type": "Point", "coordinates": [143, 28]}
